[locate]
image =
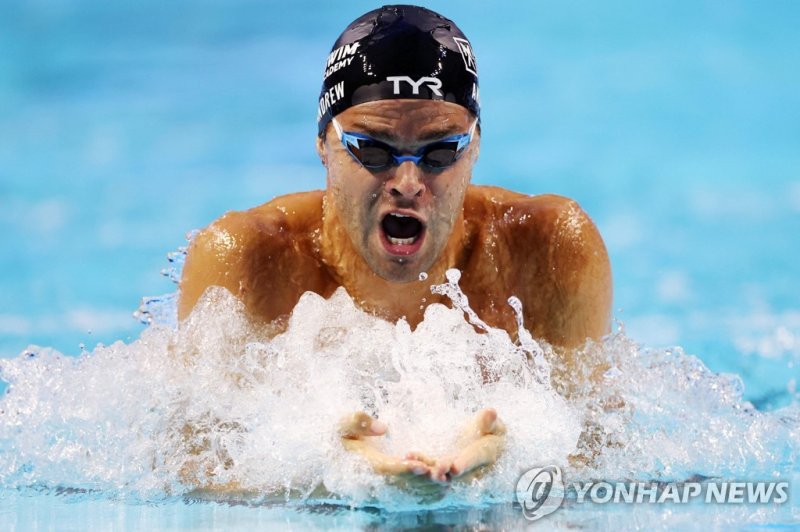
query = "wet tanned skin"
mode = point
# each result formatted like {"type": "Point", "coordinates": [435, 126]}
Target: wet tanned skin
{"type": "Point", "coordinates": [543, 249]}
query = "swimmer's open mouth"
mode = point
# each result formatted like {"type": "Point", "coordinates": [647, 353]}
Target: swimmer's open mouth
{"type": "Point", "coordinates": [402, 233]}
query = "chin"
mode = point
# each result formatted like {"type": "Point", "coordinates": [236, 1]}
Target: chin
{"type": "Point", "coordinates": [397, 269]}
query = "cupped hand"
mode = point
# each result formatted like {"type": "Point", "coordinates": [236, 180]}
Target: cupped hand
{"type": "Point", "coordinates": [358, 430]}
{"type": "Point", "coordinates": [480, 444]}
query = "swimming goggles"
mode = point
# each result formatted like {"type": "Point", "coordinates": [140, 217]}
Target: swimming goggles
{"type": "Point", "coordinates": [376, 155]}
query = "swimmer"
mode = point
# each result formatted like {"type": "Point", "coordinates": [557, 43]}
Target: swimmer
{"type": "Point", "coordinates": [399, 134]}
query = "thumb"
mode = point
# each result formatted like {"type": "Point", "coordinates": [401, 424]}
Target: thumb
{"type": "Point", "coordinates": [360, 424]}
{"type": "Point", "coordinates": [486, 420]}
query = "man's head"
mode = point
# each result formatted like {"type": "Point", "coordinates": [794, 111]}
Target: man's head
{"type": "Point", "coordinates": [397, 122]}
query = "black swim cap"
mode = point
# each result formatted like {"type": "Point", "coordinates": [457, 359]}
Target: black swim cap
{"type": "Point", "coordinates": [398, 52]}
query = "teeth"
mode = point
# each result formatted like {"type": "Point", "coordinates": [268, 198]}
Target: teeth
{"type": "Point", "coordinates": [401, 241]}
{"type": "Point", "coordinates": [400, 215]}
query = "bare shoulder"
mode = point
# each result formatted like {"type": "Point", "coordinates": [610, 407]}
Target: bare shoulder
{"type": "Point", "coordinates": [553, 256]}
{"type": "Point", "coordinates": [551, 221]}
{"type": "Point", "coordinates": [293, 212]}
{"type": "Point", "coordinates": [226, 252]}
{"type": "Point", "coordinates": [273, 223]}
{"type": "Point", "coordinates": [563, 224]}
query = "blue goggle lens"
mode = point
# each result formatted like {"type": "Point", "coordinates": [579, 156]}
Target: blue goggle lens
{"type": "Point", "coordinates": [377, 155]}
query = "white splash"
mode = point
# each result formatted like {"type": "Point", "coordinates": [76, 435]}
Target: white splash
{"type": "Point", "coordinates": [218, 399]}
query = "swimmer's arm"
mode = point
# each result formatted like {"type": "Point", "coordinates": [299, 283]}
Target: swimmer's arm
{"type": "Point", "coordinates": [252, 255]}
{"type": "Point", "coordinates": [264, 256]}
{"type": "Point", "coordinates": [214, 258]}
{"type": "Point", "coordinates": [577, 273]}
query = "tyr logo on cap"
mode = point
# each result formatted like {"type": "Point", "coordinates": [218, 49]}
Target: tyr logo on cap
{"type": "Point", "coordinates": [398, 52]}
{"type": "Point", "coordinates": [433, 84]}
{"type": "Point", "coordinates": [466, 54]}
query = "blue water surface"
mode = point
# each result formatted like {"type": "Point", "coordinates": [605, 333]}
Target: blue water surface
{"type": "Point", "coordinates": [676, 125]}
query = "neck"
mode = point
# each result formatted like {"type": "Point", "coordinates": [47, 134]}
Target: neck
{"type": "Point", "coordinates": [390, 300]}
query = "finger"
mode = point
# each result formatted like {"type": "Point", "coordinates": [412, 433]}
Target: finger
{"type": "Point", "coordinates": [485, 421]}
{"type": "Point", "coordinates": [480, 424]}
{"type": "Point", "coordinates": [393, 466]}
{"type": "Point", "coordinates": [416, 467]}
{"type": "Point", "coordinates": [481, 452]}
{"type": "Point", "coordinates": [361, 424]}
{"type": "Point", "coordinates": [440, 472]}
{"type": "Point", "coordinates": [414, 455]}
{"type": "Point", "coordinates": [383, 463]}
{"type": "Point", "coordinates": [461, 465]}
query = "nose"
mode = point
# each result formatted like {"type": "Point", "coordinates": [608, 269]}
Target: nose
{"type": "Point", "coordinates": [406, 181]}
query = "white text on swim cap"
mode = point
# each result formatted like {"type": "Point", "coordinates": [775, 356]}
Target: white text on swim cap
{"type": "Point", "coordinates": [433, 84]}
{"type": "Point", "coordinates": [339, 58]}
{"type": "Point", "coordinates": [330, 97]}
{"type": "Point", "coordinates": [336, 66]}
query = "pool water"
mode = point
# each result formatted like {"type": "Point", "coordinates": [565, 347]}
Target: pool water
{"type": "Point", "coordinates": [123, 126]}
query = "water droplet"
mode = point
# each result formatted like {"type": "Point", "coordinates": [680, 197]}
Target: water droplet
{"type": "Point", "coordinates": [423, 276]}
{"type": "Point", "coordinates": [453, 275]}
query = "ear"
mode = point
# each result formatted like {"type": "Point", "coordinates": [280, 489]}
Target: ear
{"type": "Point", "coordinates": [321, 152]}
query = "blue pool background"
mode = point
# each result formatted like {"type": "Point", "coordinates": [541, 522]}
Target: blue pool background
{"type": "Point", "coordinates": [676, 126]}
